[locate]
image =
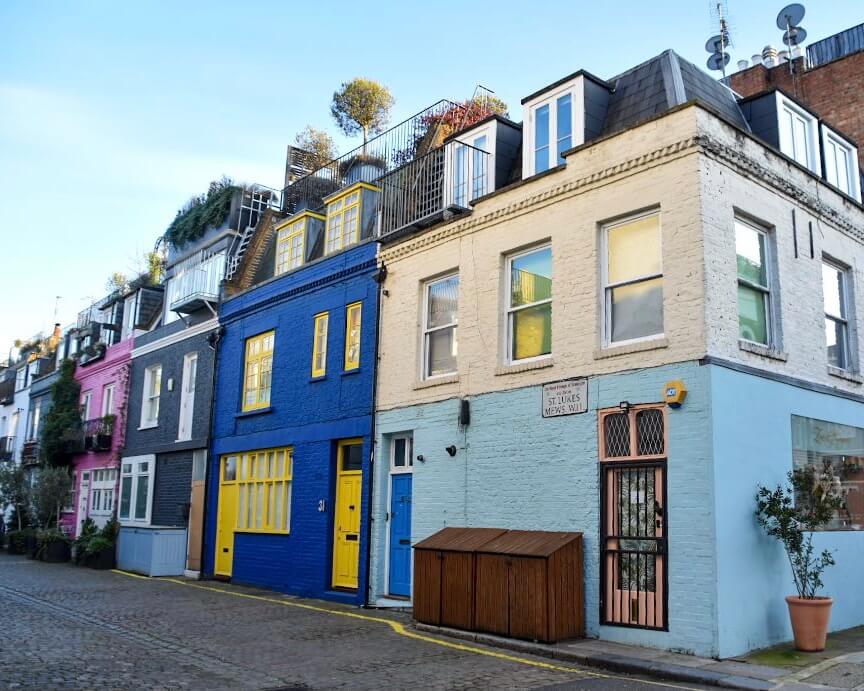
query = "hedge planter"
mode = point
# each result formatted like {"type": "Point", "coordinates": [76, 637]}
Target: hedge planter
{"type": "Point", "coordinates": [17, 543]}
{"type": "Point", "coordinates": [56, 552]}
{"type": "Point", "coordinates": [102, 560]}
{"type": "Point", "coordinates": [31, 546]}
{"type": "Point", "coordinates": [809, 617]}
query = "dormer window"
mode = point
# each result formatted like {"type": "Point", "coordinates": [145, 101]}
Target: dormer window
{"type": "Point", "coordinates": [561, 116]}
{"type": "Point", "coordinates": [348, 216]}
{"type": "Point", "coordinates": [798, 134]}
{"type": "Point", "coordinates": [472, 153]}
{"type": "Point", "coordinates": [841, 163]}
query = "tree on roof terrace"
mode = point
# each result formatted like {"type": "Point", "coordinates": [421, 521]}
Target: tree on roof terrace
{"type": "Point", "coordinates": [362, 105]}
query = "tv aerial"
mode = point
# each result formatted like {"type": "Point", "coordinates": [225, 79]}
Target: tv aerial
{"type": "Point", "coordinates": [717, 44]}
{"type": "Point", "coordinates": [789, 22]}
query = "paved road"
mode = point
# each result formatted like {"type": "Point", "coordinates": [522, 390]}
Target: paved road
{"type": "Point", "coordinates": [66, 627]}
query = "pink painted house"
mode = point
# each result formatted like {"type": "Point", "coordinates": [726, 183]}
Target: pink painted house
{"type": "Point", "coordinates": [102, 347]}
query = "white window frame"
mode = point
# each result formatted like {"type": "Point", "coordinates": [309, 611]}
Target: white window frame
{"type": "Point", "coordinates": [33, 419]}
{"type": "Point", "coordinates": [769, 290]}
{"type": "Point", "coordinates": [148, 397]}
{"type": "Point", "coordinates": [831, 138]}
{"type": "Point", "coordinates": [784, 106]}
{"type": "Point", "coordinates": [467, 141]}
{"type": "Point", "coordinates": [846, 316]}
{"type": "Point", "coordinates": [509, 311]}
{"type": "Point", "coordinates": [607, 287]}
{"type": "Point", "coordinates": [21, 378]}
{"type": "Point", "coordinates": [86, 399]}
{"type": "Point", "coordinates": [108, 397]}
{"type": "Point", "coordinates": [425, 331]}
{"type": "Point", "coordinates": [188, 384]}
{"type": "Point", "coordinates": [102, 488]}
{"type": "Point", "coordinates": [130, 308]}
{"type": "Point", "coordinates": [134, 472]}
{"type": "Point", "coordinates": [409, 441]}
{"type": "Point", "coordinates": [576, 90]}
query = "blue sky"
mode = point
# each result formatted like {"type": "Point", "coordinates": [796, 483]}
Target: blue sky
{"type": "Point", "coordinates": [112, 114]}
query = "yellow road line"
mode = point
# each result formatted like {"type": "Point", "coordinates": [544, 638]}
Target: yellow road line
{"type": "Point", "coordinates": [400, 629]}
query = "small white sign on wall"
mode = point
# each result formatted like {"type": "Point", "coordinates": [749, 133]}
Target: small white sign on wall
{"type": "Point", "coordinates": [565, 397]}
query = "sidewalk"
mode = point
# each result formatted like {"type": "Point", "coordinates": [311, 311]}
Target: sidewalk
{"type": "Point", "coordinates": [840, 666]}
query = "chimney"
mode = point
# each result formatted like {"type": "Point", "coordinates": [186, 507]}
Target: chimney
{"type": "Point", "coordinates": [769, 56]}
{"type": "Point", "coordinates": [743, 65]}
{"type": "Point", "coordinates": [756, 59]}
{"type": "Point", "coordinates": [783, 56]}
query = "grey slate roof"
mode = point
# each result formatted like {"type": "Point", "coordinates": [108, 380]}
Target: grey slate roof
{"type": "Point", "coordinates": [661, 83]}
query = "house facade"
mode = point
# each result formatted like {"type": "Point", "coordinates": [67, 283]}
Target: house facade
{"type": "Point", "coordinates": [289, 476]}
{"type": "Point", "coordinates": [625, 343]}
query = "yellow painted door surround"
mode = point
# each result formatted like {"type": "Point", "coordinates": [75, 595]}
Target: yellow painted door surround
{"type": "Point", "coordinates": [346, 538]}
{"type": "Point", "coordinates": [227, 516]}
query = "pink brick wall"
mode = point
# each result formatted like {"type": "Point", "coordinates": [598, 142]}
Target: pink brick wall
{"type": "Point", "coordinates": [114, 368]}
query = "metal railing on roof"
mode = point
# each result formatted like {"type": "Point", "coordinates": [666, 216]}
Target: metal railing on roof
{"type": "Point", "coordinates": [368, 162]}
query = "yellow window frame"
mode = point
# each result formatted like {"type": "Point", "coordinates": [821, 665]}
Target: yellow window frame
{"type": "Point", "coordinates": [319, 344]}
{"type": "Point", "coordinates": [353, 317]}
{"type": "Point", "coordinates": [286, 257]}
{"type": "Point", "coordinates": [344, 205]}
{"type": "Point", "coordinates": [264, 480]}
{"type": "Point", "coordinates": [258, 371]}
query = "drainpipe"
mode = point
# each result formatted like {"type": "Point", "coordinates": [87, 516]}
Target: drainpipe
{"type": "Point", "coordinates": [209, 462]}
{"type": "Point", "coordinates": [379, 279]}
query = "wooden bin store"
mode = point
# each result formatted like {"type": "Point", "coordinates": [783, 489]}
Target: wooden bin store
{"type": "Point", "coordinates": [444, 574]}
{"type": "Point", "coordinates": [522, 584]}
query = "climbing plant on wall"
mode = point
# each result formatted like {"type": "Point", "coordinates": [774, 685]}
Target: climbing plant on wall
{"type": "Point", "coordinates": [62, 426]}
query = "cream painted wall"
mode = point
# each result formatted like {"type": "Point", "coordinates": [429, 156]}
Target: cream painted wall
{"type": "Point", "coordinates": [652, 166]}
{"type": "Point", "coordinates": [741, 176]}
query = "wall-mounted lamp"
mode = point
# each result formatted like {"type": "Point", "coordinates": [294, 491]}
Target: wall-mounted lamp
{"type": "Point", "coordinates": [451, 450]}
{"type": "Point", "coordinates": [420, 458]}
{"type": "Point", "coordinates": [170, 383]}
{"type": "Point", "coordinates": [624, 405]}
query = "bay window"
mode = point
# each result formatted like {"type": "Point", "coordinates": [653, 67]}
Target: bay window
{"type": "Point", "coordinates": [440, 319]}
{"type": "Point", "coordinates": [529, 304]}
{"type": "Point", "coordinates": [633, 280]}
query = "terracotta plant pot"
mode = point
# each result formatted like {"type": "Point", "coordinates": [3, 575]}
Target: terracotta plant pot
{"type": "Point", "coordinates": [809, 621]}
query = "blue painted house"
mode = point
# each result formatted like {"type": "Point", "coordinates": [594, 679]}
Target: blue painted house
{"type": "Point", "coordinates": [289, 481]}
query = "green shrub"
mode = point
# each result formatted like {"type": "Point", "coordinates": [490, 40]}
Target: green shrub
{"type": "Point", "coordinates": [97, 544]}
{"type": "Point", "coordinates": [202, 212]}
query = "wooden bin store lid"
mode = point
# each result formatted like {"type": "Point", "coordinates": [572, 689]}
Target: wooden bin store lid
{"type": "Point", "coordinates": [460, 539]}
{"type": "Point", "coordinates": [529, 543]}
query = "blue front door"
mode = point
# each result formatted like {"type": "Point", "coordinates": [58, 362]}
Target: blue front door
{"type": "Point", "coordinates": [400, 535]}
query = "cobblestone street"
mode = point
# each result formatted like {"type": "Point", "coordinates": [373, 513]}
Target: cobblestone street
{"type": "Point", "coordinates": [67, 627]}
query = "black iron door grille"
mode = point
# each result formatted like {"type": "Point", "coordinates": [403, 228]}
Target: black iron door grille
{"type": "Point", "coordinates": [633, 549]}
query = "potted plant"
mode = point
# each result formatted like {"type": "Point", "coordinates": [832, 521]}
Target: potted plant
{"type": "Point", "coordinates": [79, 546]}
{"type": "Point", "coordinates": [99, 548]}
{"type": "Point", "coordinates": [19, 541]}
{"type": "Point", "coordinates": [54, 546]}
{"type": "Point", "coordinates": [790, 513]}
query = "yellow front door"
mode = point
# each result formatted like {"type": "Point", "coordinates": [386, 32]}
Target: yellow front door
{"type": "Point", "coordinates": [227, 516]}
{"type": "Point", "coordinates": [346, 539]}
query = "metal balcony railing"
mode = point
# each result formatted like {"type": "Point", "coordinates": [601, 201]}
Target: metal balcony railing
{"type": "Point", "coordinates": [30, 452]}
{"type": "Point", "coordinates": [425, 190]}
{"type": "Point", "coordinates": [192, 288]}
{"type": "Point", "coordinates": [98, 433]}
{"type": "Point", "coordinates": [7, 448]}
{"type": "Point", "coordinates": [369, 162]}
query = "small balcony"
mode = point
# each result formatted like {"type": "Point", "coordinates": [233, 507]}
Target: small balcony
{"type": "Point", "coordinates": [7, 391]}
{"type": "Point", "coordinates": [434, 187]}
{"type": "Point", "coordinates": [30, 452]}
{"type": "Point", "coordinates": [197, 287]}
{"type": "Point", "coordinates": [99, 433]}
{"type": "Point", "coordinates": [7, 449]}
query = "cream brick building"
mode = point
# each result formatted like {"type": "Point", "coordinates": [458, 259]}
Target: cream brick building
{"type": "Point", "coordinates": [481, 451]}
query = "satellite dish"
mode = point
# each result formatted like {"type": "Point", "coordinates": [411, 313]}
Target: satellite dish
{"type": "Point", "coordinates": [715, 43]}
{"type": "Point", "coordinates": [794, 36]}
{"type": "Point", "coordinates": [718, 61]}
{"type": "Point", "coordinates": [791, 15]}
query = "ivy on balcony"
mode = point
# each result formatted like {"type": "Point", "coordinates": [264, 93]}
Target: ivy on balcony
{"type": "Point", "coordinates": [201, 213]}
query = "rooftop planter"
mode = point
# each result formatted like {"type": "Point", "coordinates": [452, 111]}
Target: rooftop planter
{"type": "Point", "coordinates": [202, 212]}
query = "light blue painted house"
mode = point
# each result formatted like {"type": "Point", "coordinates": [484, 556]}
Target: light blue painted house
{"type": "Point", "coordinates": [652, 313]}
